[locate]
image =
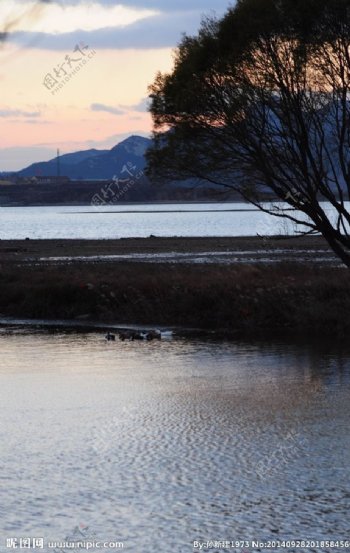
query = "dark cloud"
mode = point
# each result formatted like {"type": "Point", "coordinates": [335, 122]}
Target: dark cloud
{"type": "Point", "coordinates": [142, 106]}
{"type": "Point", "coordinates": [161, 31]}
{"type": "Point", "coordinates": [155, 32]}
{"type": "Point", "coordinates": [37, 122]}
{"type": "Point", "coordinates": [108, 109]}
{"type": "Point", "coordinates": [162, 5]}
{"type": "Point", "coordinates": [18, 113]}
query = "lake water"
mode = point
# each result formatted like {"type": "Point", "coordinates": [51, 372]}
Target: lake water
{"type": "Point", "coordinates": [233, 219]}
{"type": "Point", "coordinates": [158, 445]}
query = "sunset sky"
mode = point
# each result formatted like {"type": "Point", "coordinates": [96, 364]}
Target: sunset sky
{"type": "Point", "coordinates": [119, 48]}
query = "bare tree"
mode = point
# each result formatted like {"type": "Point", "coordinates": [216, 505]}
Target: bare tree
{"type": "Point", "coordinates": [27, 13]}
{"type": "Point", "coordinates": [259, 102]}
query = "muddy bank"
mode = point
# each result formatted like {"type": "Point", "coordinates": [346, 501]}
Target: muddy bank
{"type": "Point", "coordinates": [242, 300]}
{"type": "Point", "coordinates": [37, 248]}
{"type": "Point", "coordinates": [170, 250]}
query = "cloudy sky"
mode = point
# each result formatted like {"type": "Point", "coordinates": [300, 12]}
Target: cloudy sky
{"type": "Point", "coordinates": [74, 73]}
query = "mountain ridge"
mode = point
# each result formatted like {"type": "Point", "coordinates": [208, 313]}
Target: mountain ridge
{"type": "Point", "coordinates": [95, 164]}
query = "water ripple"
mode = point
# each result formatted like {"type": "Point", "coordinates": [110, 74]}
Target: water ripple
{"type": "Point", "coordinates": [162, 444]}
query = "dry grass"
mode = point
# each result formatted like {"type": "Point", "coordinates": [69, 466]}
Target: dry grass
{"type": "Point", "coordinates": [242, 300]}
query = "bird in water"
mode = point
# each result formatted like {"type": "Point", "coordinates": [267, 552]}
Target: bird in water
{"type": "Point", "coordinates": [145, 335]}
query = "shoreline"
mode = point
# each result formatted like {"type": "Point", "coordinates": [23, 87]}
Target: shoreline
{"type": "Point", "coordinates": [172, 250]}
{"type": "Point", "coordinates": [36, 248]}
{"type": "Point", "coordinates": [245, 299]}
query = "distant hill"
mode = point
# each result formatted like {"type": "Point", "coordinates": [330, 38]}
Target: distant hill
{"type": "Point", "coordinates": [93, 175]}
{"type": "Point", "coordinates": [126, 157]}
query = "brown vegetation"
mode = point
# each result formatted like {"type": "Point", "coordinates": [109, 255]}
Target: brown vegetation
{"type": "Point", "coordinates": [241, 300]}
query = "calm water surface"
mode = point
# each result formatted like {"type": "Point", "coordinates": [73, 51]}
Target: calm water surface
{"type": "Point", "coordinates": [137, 221]}
{"type": "Point", "coordinates": [141, 220]}
{"type": "Point", "coordinates": [161, 444]}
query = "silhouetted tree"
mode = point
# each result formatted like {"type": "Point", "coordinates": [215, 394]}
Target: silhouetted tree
{"type": "Point", "coordinates": [258, 101]}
